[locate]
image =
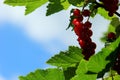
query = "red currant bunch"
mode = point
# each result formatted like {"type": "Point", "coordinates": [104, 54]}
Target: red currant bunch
{"type": "Point", "coordinates": [83, 32]}
{"type": "Point", "coordinates": [110, 5]}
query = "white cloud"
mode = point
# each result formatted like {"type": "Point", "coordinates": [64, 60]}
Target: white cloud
{"type": "Point", "coordinates": [2, 78]}
{"type": "Point", "coordinates": [35, 24]}
{"type": "Point", "coordinates": [41, 28]}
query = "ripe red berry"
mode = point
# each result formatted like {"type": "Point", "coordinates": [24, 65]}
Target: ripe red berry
{"type": "Point", "coordinates": [80, 18]}
{"type": "Point", "coordinates": [88, 40]}
{"type": "Point", "coordinates": [78, 28]}
{"type": "Point", "coordinates": [76, 22]}
{"type": "Point", "coordinates": [86, 13]}
{"type": "Point", "coordinates": [111, 36]}
{"type": "Point", "coordinates": [82, 43]}
{"type": "Point", "coordinates": [110, 14]}
{"type": "Point", "coordinates": [76, 12]}
{"type": "Point", "coordinates": [87, 54]}
{"type": "Point", "coordinates": [93, 45]}
{"type": "Point", "coordinates": [90, 33]}
{"type": "Point", "coordinates": [87, 24]}
{"type": "Point", "coordinates": [92, 52]}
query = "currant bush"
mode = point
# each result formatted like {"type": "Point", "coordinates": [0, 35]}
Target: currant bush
{"type": "Point", "coordinates": [71, 65]}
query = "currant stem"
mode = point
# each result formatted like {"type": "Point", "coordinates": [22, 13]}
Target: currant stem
{"type": "Point", "coordinates": [85, 3]}
{"type": "Point", "coordinates": [111, 74]}
{"type": "Point", "coordinates": [90, 14]}
{"type": "Point", "coordinates": [118, 14]}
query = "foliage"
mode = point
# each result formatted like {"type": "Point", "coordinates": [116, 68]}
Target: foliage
{"type": "Point", "coordinates": [68, 58]}
{"type": "Point", "coordinates": [52, 74]}
{"type": "Point", "coordinates": [72, 64]}
{"type": "Point", "coordinates": [85, 70]}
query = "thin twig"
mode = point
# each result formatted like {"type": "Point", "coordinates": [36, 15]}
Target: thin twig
{"type": "Point", "coordinates": [118, 14]}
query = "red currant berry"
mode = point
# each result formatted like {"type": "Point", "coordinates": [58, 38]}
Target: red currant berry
{"type": "Point", "coordinates": [78, 28]}
{"type": "Point", "coordinates": [92, 52]}
{"type": "Point", "coordinates": [87, 24]}
{"type": "Point", "coordinates": [80, 18]}
{"type": "Point", "coordinates": [82, 43]}
{"type": "Point", "coordinates": [111, 36]}
{"type": "Point", "coordinates": [76, 12]}
{"type": "Point", "coordinates": [110, 14]}
{"type": "Point", "coordinates": [75, 21]}
{"type": "Point", "coordinates": [86, 54]}
{"type": "Point", "coordinates": [88, 40]}
{"type": "Point", "coordinates": [89, 33]}
{"type": "Point", "coordinates": [86, 13]}
{"type": "Point", "coordinates": [93, 45]}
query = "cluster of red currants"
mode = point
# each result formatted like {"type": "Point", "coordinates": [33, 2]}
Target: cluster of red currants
{"type": "Point", "coordinates": [83, 32]}
{"type": "Point", "coordinates": [110, 5]}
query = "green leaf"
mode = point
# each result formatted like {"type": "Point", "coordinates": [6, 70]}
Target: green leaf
{"type": "Point", "coordinates": [69, 73]}
{"type": "Point", "coordinates": [104, 13]}
{"type": "Point", "coordinates": [76, 2]}
{"type": "Point", "coordinates": [68, 58]}
{"type": "Point", "coordinates": [30, 5]}
{"type": "Point", "coordinates": [115, 22]}
{"type": "Point", "coordinates": [85, 77]}
{"type": "Point", "coordinates": [99, 61]}
{"type": "Point", "coordinates": [104, 37]}
{"type": "Point", "coordinates": [65, 4]}
{"type": "Point", "coordinates": [81, 72]}
{"type": "Point", "coordinates": [18, 2]}
{"type": "Point", "coordinates": [117, 30]}
{"type": "Point", "coordinates": [55, 6]}
{"type": "Point", "coordinates": [111, 29]}
{"type": "Point", "coordinates": [48, 74]}
{"type": "Point", "coordinates": [82, 68]}
{"type": "Point", "coordinates": [91, 7]}
{"type": "Point", "coordinates": [34, 5]}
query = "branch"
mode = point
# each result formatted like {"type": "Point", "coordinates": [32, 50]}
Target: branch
{"type": "Point", "coordinates": [118, 14]}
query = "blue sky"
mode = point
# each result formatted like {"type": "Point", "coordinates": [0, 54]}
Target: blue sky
{"type": "Point", "coordinates": [27, 42]}
{"type": "Point", "coordinates": [19, 54]}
